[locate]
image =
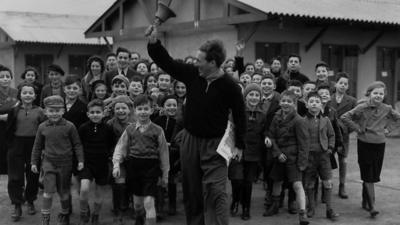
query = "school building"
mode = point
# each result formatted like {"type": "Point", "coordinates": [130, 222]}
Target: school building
{"type": "Point", "coordinates": [40, 39]}
{"type": "Point", "coordinates": [360, 37]}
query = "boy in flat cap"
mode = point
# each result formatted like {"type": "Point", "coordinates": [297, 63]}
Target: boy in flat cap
{"type": "Point", "coordinates": [55, 85]}
{"type": "Point", "coordinates": [59, 139]}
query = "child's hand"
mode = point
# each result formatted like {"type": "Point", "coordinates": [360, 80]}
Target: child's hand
{"type": "Point", "coordinates": [80, 166]}
{"type": "Point", "coordinates": [34, 169]}
{"type": "Point", "coordinates": [282, 158]}
{"type": "Point", "coordinates": [240, 47]}
{"type": "Point", "coordinates": [268, 142]}
{"type": "Point", "coordinates": [116, 172]}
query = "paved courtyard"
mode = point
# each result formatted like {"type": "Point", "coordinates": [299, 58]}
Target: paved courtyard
{"type": "Point", "coordinates": [387, 192]}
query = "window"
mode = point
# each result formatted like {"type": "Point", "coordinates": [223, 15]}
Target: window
{"type": "Point", "coordinates": [269, 50]}
{"type": "Point", "coordinates": [77, 64]}
{"type": "Point", "coordinates": [342, 58]}
{"type": "Point", "coordinates": [39, 62]}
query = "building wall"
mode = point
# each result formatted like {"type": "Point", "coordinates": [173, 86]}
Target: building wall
{"type": "Point", "coordinates": [341, 35]}
{"type": "Point", "coordinates": [60, 54]}
{"type": "Point", "coordinates": [7, 58]}
{"type": "Point", "coordinates": [180, 46]}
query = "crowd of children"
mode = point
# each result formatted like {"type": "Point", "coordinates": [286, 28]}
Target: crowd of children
{"type": "Point", "coordinates": [120, 125]}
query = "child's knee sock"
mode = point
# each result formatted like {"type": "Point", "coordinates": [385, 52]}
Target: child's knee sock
{"type": "Point", "coordinates": [65, 204]}
{"type": "Point", "coordinates": [149, 207]}
{"type": "Point", "coordinates": [84, 205]}
{"type": "Point", "coordinates": [46, 205]}
{"type": "Point", "coordinates": [328, 199]}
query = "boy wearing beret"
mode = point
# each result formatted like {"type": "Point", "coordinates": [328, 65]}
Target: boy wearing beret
{"type": "Point", "coordinates": [58, 139]}
{"type": "Point", "coordinates": [55, 85]}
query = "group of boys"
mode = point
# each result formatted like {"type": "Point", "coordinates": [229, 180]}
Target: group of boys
{"type": "Point", "coordinates": [302, 133]}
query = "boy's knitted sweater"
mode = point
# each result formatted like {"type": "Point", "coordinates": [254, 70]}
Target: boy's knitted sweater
{"type": "Point", "coordinates": [143, 141]}
{"type": "Point", "coordinates": [58, 141]}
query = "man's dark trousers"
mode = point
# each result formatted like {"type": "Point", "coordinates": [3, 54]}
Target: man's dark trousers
{"type": "Point", "coordinates": [204, 181]}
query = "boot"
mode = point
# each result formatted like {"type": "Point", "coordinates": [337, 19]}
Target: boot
{"type": "Point", "coordinates": [332, 215]}
{"type": "Point", "coordinates": [274, 208]}
{"type": "Point", "coordinates": [63, 219]}
{"type": "Point", "coordinates": [31, 208]}
{"type": "Point", "coordinates": [17, 213]}
{"type": "Point", "coordinates": [245, 213]}
{"type": "Point", "coordinates": [342, 192]}
{"type": "Point", "coordinates": [45, 219]}
{"type": "Point", "coordinates": [140, 217]}
{"type": "Point", "coordinates": [234, 208]}
{"type": "Point", "coordinates": [303, 217]}
{"type": "Point", "coordinates": [311, 202]}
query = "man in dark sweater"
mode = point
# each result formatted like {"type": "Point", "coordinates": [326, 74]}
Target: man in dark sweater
{"type": "Point", "coordinates": [211, 95]}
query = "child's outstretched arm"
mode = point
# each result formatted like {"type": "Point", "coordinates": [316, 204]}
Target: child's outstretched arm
{"type": "Point", "coordinates": [164, 157]}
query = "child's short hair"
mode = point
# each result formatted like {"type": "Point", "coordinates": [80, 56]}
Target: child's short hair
{"type": "Point", "coordinates": [295, 83]}
{"type": "Point", "coordinates": [56, 68]}
{"type": "Point", "coordinates": [4, 68]}
{"type": "Point", "coordinates": [111, 54]}
{"type": "Point", "coordinates": [144, 61]}
{"type": "Point", "coordinates": [72, 79]}
{"type": "Point", "coordinates": [95, 103]}
{"type": "Point", "coordinates": [120, 49]}
{"type": "Point", "coordinates": [324, 87]}
{"type": "Point", "coordinates": [163, 100]}
{"type": "Point", "coordinates": [143, 100]}
{"type": "Point", "coordinates": [29, 68]}
{"type": "Point", "coordinates": [269, 76]}
{"type": "Point", "coordinates": [136, 78]}
{"type": "Point", "coordinates": [289, 94]}
{"type": "Point", "coordinates": [309, 82]}
{"type": "Point", "coordinates": [162, 73]}
{"type": "Point", "coordinates": [293, 55]}
{"type": "Point", "coordinates": [249, 64]}
{"type": "Point", "coordinates": [342, 75]}
{"type": "Point", "coordinates": [313, 94]}
{"type": "Point", "coordinates": [321, 64]}
{"type": "Point", "coordinates": [245, 73]}
{"type": "Point", "coordinates": [122, 99]}
{"type": "Point", "coordinates": [24, 84]}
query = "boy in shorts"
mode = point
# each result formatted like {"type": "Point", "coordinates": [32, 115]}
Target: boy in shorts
{"type": "Point", "coordinates": [144, 149]}
{"type": "Point", "coordinates": [98, 140]}
{"type": "Point", "coordinates": [58, 139]}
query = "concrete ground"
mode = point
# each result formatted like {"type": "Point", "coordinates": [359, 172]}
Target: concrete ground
{"type": "Point", "coordinates": [387, 193]}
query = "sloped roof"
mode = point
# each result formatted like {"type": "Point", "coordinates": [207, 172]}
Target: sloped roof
{"type": "Point", "coordinates": [372, 11]}
{"type": "Point", "coordinates": [47, 28]}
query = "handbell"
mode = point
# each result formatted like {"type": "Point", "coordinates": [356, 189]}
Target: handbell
{"type": "Point", "coordinates": [164, 12]}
